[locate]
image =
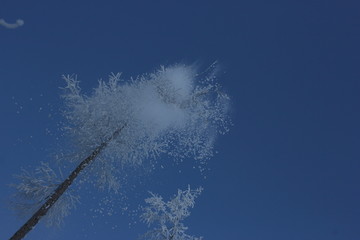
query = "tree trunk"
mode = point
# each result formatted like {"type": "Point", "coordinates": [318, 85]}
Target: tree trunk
{"type": "Point", "coordinates": [30, 224]}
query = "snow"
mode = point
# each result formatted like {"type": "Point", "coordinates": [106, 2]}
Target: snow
{"type": "Point", "coordinates": [180, 78]}
{"type": "Point", "coordinates": [157, 115]}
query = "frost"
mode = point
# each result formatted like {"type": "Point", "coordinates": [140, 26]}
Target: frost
{"type": "Point", "coordinates": [33, 191]}
{"type": "Point", "coordinates": [174, 111]}
{"type": "Point", "coordinates": [168, 216]}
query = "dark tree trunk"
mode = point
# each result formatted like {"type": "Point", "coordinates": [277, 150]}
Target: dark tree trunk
{"type": "Point", "coordinates": [51, 200]}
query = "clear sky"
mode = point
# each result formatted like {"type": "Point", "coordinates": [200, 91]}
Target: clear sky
{"type": "Point", "coordinates": [288, 169]}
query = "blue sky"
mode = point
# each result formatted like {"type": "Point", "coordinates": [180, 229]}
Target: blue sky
{"type": "Point", "coordinates": [288, 169]}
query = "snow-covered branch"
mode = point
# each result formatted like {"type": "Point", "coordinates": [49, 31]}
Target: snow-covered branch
{"type": "Point", "coordinates": [34, 189]}
{"type": "Point", "coordinates": [168, 216]}
{"type": "Point", "coordinates": [173, 111]}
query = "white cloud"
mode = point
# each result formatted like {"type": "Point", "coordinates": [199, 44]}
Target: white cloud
{"type": "Point", "coordinates": [17, 24]}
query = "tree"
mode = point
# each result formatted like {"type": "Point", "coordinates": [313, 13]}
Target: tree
{"type": "Point", "coordinates": [168, 216]}
{"type": "Point", "coordinates": [173, 111]}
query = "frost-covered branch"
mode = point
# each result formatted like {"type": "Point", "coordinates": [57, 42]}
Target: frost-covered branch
{"type": "Point", "coordinates": [35, 188]}
{"type": "Point", "coordinates": [173, 111]}
{"type": "Point", "coordinates": [168, 216]}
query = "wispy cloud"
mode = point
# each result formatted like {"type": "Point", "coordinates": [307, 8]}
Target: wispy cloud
{"type": "Point", "coordinates": [17, 24]}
